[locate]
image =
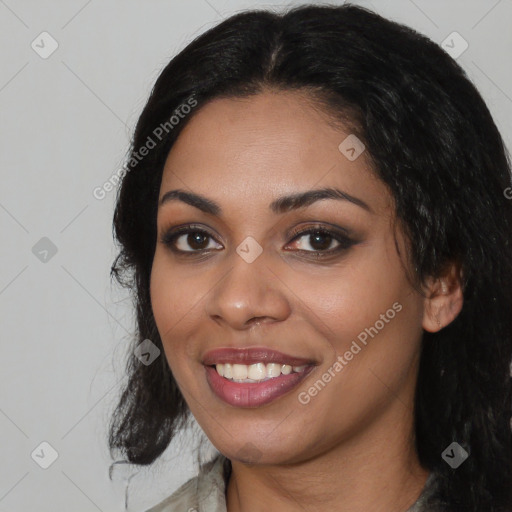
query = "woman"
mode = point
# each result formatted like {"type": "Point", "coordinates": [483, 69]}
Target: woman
{"type": "Point", "coordinates": [314, 226]}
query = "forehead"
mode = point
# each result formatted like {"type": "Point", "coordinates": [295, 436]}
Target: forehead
{"type": "Point", "coordinates": [266, 145]}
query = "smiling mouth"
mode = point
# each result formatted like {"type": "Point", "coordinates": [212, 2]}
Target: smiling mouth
{"type": "Point", "coordinates": [253, 376]}
{"type": "Point", "coordinates": [257, 372]}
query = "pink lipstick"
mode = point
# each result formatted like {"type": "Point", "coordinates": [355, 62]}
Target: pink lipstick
{"type": "Point", "coordinates": [252, 377]}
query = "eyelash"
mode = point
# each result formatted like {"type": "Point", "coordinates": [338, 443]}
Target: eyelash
{"type": "Point", "coordinates": [169, 238]}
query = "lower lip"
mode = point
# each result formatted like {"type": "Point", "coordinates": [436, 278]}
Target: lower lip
{"type": "Point", "coordinates": [253, 394]}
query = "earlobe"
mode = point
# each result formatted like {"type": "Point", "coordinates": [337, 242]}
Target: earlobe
{"type": "Point", "coordinates": [444, 300]}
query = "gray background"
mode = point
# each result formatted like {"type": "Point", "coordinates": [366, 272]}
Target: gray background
{"type": "Point", "coordinates": [65, 126]}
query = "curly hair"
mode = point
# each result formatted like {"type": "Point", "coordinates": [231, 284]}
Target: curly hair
{"type": "Point", "coordinates": [432, 141]}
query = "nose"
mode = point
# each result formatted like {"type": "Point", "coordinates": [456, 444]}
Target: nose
{"type": "Point", "coordinates": [248, 295]}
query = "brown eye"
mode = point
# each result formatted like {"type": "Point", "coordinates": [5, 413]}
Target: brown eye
{"type": "Point", "coordinates": [321, 241]}
{"type": "Point", "coordinates": [196, 240]}
{"type": "Point", "coordinates": [188, 240]}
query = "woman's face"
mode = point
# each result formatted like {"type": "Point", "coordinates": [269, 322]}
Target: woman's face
{"type": "Point", "coordinates": [338, 300]}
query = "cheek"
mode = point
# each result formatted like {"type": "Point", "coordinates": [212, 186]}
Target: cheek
{"type": "Point", "coordinates": [353, 295]}
{"type": "Point", "coordinates": [174, 301]}
{"type": "Point", "coordinates": [370, 315]}
{"type": "Point", "coordinates": [377, 353]}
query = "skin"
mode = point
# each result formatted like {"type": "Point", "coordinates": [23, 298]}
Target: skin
{"type": "Point", "coordinates": [351, 447]}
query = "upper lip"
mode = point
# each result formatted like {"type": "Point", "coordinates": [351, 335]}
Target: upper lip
{"type": "Point", "coordinates": [252, 355]}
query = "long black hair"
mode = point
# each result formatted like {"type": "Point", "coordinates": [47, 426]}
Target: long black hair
{"type": "Point", "coordinates": [432, 141]}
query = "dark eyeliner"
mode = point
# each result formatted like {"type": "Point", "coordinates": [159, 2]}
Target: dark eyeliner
{"type": "Point", "coordinates": [344, 241]}
{"type": "Point", "coordinates": [172, 234]}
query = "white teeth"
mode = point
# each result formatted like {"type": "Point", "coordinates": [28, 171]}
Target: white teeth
{"type": "Point", "coordinates": [286, 369]}
{"type": "Point", "coordinates": [228, 371]}
{"type": "Point", "coordinates": [239, 371]}
{"type": "Point", "coordinates": [273, 370]}
{"type": "Point", "coordinates": [257, 372]}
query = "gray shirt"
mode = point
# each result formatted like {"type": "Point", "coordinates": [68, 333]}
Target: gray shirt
{"type": "Point", "coordinates": [206, 492]}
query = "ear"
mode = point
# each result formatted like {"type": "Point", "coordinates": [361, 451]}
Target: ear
{"type": "Point", "coordinates": [443, 300]}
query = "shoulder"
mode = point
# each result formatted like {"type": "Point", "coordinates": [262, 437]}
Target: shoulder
{"type": "Point", "coordinates": [203, 493]}
{"type": "Point", "coordinates": [430, 500]}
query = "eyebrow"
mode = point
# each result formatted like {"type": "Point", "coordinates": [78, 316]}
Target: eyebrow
{"type": "Point", "coordinates": [278, 206]}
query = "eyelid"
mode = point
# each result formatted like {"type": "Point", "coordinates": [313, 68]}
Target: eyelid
{"type": "Point", "coordinates": [169, 236]}
{"type": "Point", "coordinates": [342, 236]}
{"type": "Point", "coordinates": [321, 226]}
